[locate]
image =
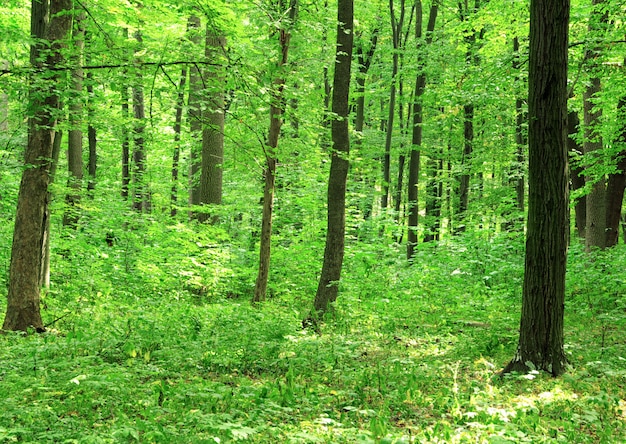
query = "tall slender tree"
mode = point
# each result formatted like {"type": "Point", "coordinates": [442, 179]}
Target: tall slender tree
{"type": "Point", "coordinates": [23, 297]}
{"type": "Point", "coordinates": [540, 344]}
{"type": "Point", "coordinates": [416, 135]}
{"type": "Point", "coordinates": [277, 109]}
{"type": "Point", "coordinates": [328, 286]}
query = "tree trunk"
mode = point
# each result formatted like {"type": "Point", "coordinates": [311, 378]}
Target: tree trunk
{"type": "Point", "coordinates": [277, 109]}
{"type": "Point", "coordinates": [541, 328]}
{"type": "Point", "coordinates": [576, 172]}
{"type": "Point", "coordinates": [140, 195]}
{"type": "Point", "coordinates": [616, 183]}
{"type": "Point", "coordinates": [416, 137]}
{"type": "Point", "coordinates": [213, 127]}
{"type": "Point", "coordinates": [75, 134]}
{"type": "Point", "coordinates": [178, 120]}
{"type": "Point", "coordinates": [92, 162]}
{"type": "Point", "coordinates": [4, 103]}
{"type": "Point", "coordinates": [23, 298]}
{"type": "Point", "coordinates": [595, 230]}
{"type": "Point", "coordinates": [194, 117]}
{"type": "Point", "coordinates": [328, 286]}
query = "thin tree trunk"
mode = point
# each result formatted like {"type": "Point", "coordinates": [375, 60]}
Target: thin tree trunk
{"type": "Point", "coordinates": [125, 133]}
{"type": "Point", "coordinates": [576, 172]}
{"type": "Point", "coordinates": [328, 286]}
{"type": "Point", "coordinates": [4, 103]}
{"type": "Point", "coordinates": [416, 138]}
{"type": "Point", "coordinates": [75, 134]}
{"type": "Point", "coordinates": [23, 298]}
{"type": "Point", "coordinates": [540, 344]}
{"type": "Point", "coordinates": [140, 195]}
{"type": "Point", "coordinates": [277, 109]}
{"type": "Point", "coordinates": [180, 103]}
{"type": "Point", "coordinates": [195, 117]}
{"type": "Point", "coordinates": [92, 162]}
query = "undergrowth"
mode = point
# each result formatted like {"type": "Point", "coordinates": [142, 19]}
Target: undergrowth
{"type": "Point", "coordinates": [154, 340]}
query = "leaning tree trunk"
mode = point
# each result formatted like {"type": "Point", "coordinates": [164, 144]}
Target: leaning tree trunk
{"type": "Point", "coordinates": [328, 286]}
{"type": "Point", "coordinates": [23, 298]}
{"type": "Point", "coordinates": [541, 328]}
{"type": "Point", "coordinates": [277, 109]}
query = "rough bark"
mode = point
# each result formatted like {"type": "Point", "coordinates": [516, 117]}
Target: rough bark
{"type": "Point", "coordinates": [277, 110]}
{"type": "Point", "coordinates": [75, 134]}
{"type": "Point", "coordinates": [23, 298]}
{"type": "Point", "coordinates": [213, 127]}
{"type": "Point", "coordinates": [595, 230]}
{"type": "Point", "coordinates": [328, 286]}
{"type": "Point", "coordinates": [541, 328]}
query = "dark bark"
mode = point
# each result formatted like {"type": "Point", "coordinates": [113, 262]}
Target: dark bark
{"type": "Point", "coordinates": [577, 176]}
{"type": "Point", "coordinates": [23, 298]}
{"type": "Point", "coordinates": [92, 140]}
{"type": "Point", "coordinates": [541, 328]}
{"type": "Point", "coordinates": [277, 109]}
{"type": "Point", "coordinates": [417, 109]}
{"type": "Point", "coordinates": [125, 133]}
{"type": "Point", "coordinates": [328, 286]}
{"type": "Point", "coordinates": [178, 120]}
{"type": "Point", "coordinates": [616, 183]}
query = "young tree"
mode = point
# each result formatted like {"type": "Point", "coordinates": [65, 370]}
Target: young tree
{"type": "Point", "coordinates": [195, 116]}
{"type": "Point", "coordinates": [277, 109]}
{"type": "Point", "coordinates": [140, 195]}
{"type": "Point", "coordinates": [23, 296]}
{"type": "Point", "coordinates": [328, 286]}
{"type": "Point", "coordinates": [416, 136]}
{"type": "Point", "coordinates": [541, 329]}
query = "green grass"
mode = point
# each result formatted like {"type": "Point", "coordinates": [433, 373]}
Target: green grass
{"type": "Point", "coordinates": [157, 343]}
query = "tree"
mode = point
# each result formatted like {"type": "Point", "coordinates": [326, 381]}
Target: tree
{"type": "Point", "coordinates": [140, 195]}
{"type": "Point", "coordinates": [328, 286]}
{"type": "Point", "coordinates": [416, 135]}
{"type": "Point", "coordinates": [213, 124]}
{"type": "Point", "coordinates": [277, 109]}
{"type": "Point", "coordinates": [195, 116]}
{"type": "Point", "coordinates": [75, 134]}
{"type": "Point", "coordinates": [23, 298]}
{"type": "Point", "coordinates": [541, 328]}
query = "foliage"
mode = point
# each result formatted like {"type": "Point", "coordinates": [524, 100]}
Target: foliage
{"type": "Point", "coordinates": [136, 353]}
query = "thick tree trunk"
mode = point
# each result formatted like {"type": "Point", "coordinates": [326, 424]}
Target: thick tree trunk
{"type": "Point", "coordinates": [577, 176]}
{"type": "Point", "coordinates": [328, 286]}
{"type": "Point", "coordinates": [23, 296]}
{"type": "Point", "coordinates": [541, 328]}
{"type": "Point", "coordinates": [213, 127]}
{"type": "Point", "coordinates": [75, 134]}
{"type": "Point", "coordinates": [277, 109]}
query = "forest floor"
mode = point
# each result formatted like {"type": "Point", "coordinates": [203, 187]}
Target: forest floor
{"type": "Point", "coordinates": [146, 345]}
